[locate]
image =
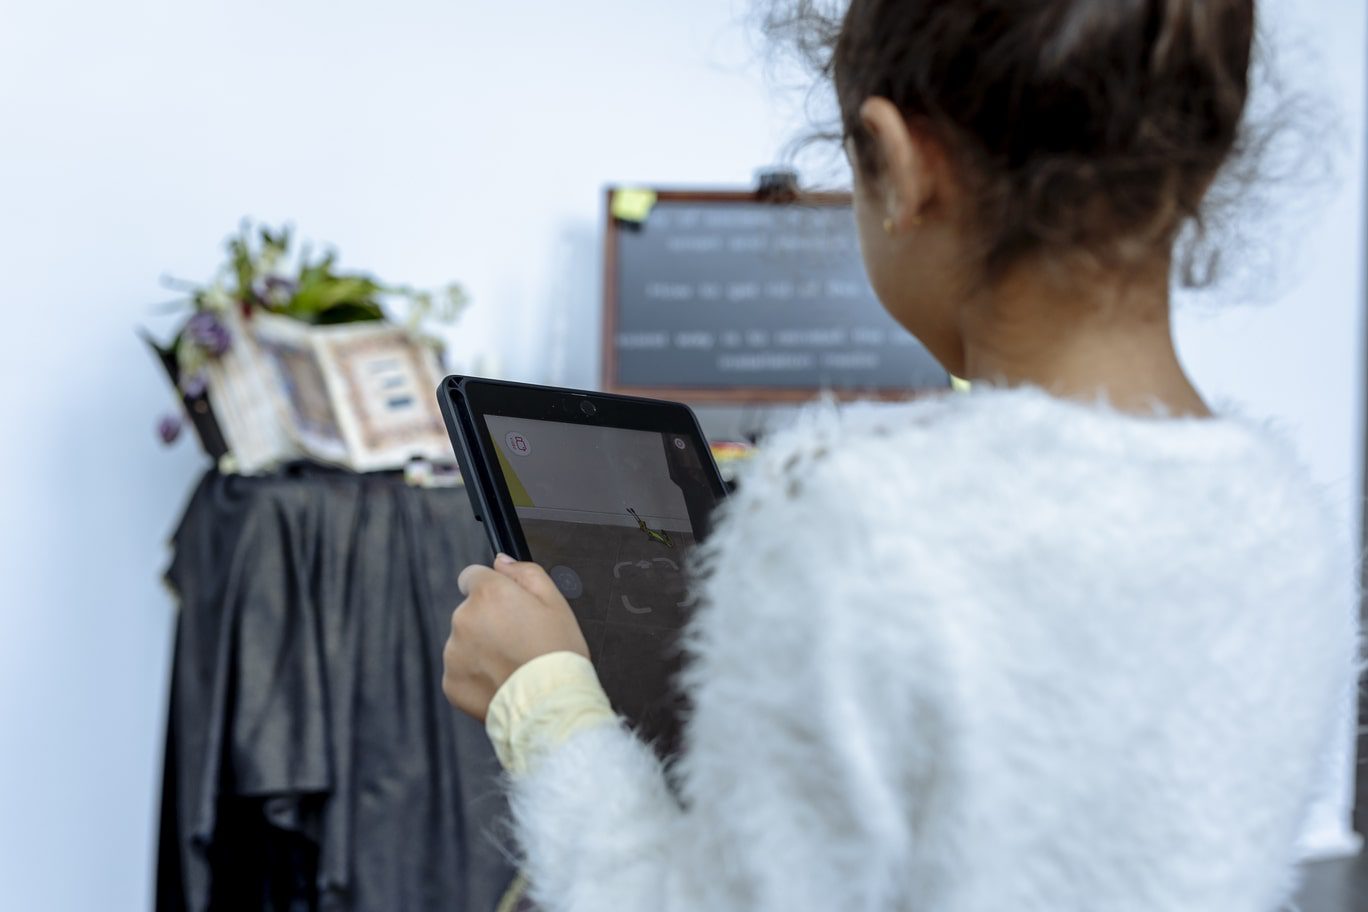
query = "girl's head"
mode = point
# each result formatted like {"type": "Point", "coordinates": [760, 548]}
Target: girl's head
{"type": "Point", "coordinates": [985, 135]}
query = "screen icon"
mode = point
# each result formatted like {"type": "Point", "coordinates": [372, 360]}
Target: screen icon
{"type": "Point", "coordinates": [679, 443]}
{"type": "Point", "coordinates": [517, 444]}
{"type": "Point", "coordinates": [567, 581]}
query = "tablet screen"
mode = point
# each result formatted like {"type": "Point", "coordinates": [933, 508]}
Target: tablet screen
{"type": "Point", "coordinates": [612, 514]}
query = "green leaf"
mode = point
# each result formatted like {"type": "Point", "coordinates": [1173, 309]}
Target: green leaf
{"type": "Point", "coordinates": [350, 312]}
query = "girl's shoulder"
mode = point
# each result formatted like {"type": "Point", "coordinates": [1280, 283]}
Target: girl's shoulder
{"type": "Point", "coordinates": [1020, 423]}
{"type": "Point", "coordinates": [995, 451]}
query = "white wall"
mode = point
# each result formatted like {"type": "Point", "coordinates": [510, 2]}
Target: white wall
{"type": "Point", "coordinates": [1283, 339]}
{"type": "Point", "coordinates": [427, 140]}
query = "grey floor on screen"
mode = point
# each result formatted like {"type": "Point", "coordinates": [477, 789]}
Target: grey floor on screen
{"type": "Point", "coordinates": [1336, 886]}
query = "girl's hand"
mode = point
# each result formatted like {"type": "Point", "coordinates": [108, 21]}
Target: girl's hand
{"type": "Point", "coordinates": [511, 614]}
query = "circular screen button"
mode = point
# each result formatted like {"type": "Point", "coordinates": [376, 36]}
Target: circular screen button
{"type": "Point", "coordinates": [567, 581]}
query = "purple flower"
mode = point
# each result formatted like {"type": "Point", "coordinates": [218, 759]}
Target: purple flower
{"type": "Point", "coordinates": [207, 331]}
{"type": "Point", "coordinates": [276, 291]}
{"type": "Point", "coordinates": [274, 284]}
{"type": "Point", "coordinates": [169, 428]}
{"type": "Point", "coordinates": [194, 385]}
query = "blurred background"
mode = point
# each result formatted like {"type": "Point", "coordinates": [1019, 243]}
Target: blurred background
{"type": "Point", "coordinates": [432, 141]}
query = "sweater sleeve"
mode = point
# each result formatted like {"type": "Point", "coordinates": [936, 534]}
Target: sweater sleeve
{"type": "Point", "coordinates": [541, 705]}
{"type": "Point", "coordinates": [776, 806]}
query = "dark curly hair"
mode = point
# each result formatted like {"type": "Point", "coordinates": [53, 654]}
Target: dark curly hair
{"type": "Point", "coordinates": [1092, 125]}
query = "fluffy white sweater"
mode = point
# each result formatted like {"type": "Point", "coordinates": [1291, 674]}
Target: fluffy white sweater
{"type": "Point", "coordinates": [995, 652]}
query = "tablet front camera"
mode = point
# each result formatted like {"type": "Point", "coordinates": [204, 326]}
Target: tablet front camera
{"type": "Point", "coordinates": [588, 408]}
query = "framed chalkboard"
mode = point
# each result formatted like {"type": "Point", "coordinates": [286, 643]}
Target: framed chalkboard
{"type": "Point", "coordinates": [719, 296]}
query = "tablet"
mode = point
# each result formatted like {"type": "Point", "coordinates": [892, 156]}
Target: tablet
{"type": "Point", "coordinates": [610, 494]}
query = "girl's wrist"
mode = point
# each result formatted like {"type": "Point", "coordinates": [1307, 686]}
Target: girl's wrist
{"type": "Point", "coordinates": [541, 705]}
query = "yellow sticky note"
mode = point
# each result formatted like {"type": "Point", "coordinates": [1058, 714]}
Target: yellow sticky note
{"type": "Point", "coordinates": [632, 204]}
{"type": "Point", "coordinates": [958, 385]}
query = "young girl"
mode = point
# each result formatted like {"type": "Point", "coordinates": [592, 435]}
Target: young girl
{"type": "Point", "coordinates": [1070, 642]}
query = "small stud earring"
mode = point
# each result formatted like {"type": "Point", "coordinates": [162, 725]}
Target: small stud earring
{"type": "Point", "coordinates": [888, 227]}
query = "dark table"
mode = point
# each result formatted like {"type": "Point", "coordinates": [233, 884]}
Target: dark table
{"type": "Point", "coordinates": [312, 761]}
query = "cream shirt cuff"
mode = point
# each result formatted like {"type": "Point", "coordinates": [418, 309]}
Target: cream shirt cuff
{"type": "Point", "coordinates": [541, 705]}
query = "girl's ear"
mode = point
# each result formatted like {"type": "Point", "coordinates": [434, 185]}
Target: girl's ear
{"type": "Point", "coordinates": [910, 179]}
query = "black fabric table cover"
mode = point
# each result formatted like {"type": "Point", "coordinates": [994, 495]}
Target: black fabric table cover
{"type": "Point", "coordinates": [312, 762]}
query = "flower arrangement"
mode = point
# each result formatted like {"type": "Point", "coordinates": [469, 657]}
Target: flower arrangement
{"type": "Point", "coordinates": [263, 274]}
